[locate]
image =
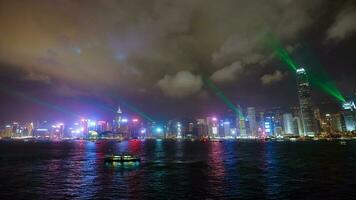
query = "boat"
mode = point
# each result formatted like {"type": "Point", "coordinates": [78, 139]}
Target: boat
{"type": "Point", "coordinates": [122, 158]}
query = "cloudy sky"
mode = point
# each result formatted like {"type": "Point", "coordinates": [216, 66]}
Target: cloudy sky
{"type": "Point", "coordinates": [85, 56]}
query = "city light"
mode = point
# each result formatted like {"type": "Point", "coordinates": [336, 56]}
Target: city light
{"type": "Point", "coordinates": [159, 130]}
{"type": "Point", "coordinates": [92, 123]}
{"type": "Point", "coordinates": [134, 120]}
{"type": "Point", "coordinates": [350, 105]}
{"type": "Point", "coordinates": [301, 70]}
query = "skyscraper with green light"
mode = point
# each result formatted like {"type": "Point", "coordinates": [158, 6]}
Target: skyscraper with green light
{"type": "Point", "coordinates": [305, 103]}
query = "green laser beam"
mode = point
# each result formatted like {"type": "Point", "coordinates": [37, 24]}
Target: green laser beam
{"type": "Point", "coordinates": [316, 75]}
{"type": "Point", "coordinates": [221, 96]}
{"type": "Point", "coordinates": [273, 43]}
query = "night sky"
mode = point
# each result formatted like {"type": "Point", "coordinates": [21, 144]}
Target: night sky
{"type": "Point", "coordinates": [62, 58]}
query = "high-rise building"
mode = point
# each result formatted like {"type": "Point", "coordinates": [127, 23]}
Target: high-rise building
{"type": "Point", "coordinates": [227, 129]}
{"type": "Point", "coordinates": [305, 103]}
{"type": "Point", "coordinates": [298, 127]}
{"type": "Point", "coordinates": [118, 119]}
{"type": "Point", "coordinates": [288, 124]}
{"type": "Point", "coordinates": [240, 122]}
{"type": "Point", "coordinates": [268, 126]}
{"type": "Point", "coordinates": [317, 120]}
{"type": "Point", "coordinates": [213, 125]}
{"type": "Point", "coordinates": [251, 116]}
{"type": "Point", "coordinates": [336, 123]}
{"type": "Point", "coordinates": [179, 130]}
{"type": "Point", "coordinates": [202, 128]}
{"type": "Point", "coordinates": [274, 118]}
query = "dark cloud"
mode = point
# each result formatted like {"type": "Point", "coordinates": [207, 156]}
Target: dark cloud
{"type": "Point", "coordinates": [131, 47]}
{"type": "Point", "coordinates": [182, 84]}
{"type": "Point", "coordinates": [117, 43]}
{"type": "Point", "coordinates": [275, 77]}
{"type": "Point", "coordinates": [229, 73]}
{"type": "Point", "coordinates": [344, 25]}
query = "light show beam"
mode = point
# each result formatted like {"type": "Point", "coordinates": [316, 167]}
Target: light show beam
{"type": "Point", "coordinates": [274, 44]}
{"type": "Point", "coordinates": [317, 76]}
{"type": "Point", "coordinates": [221, 96]}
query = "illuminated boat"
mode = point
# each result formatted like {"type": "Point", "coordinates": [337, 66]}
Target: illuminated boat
{"type": "Point", "coordinates": [122, 158]}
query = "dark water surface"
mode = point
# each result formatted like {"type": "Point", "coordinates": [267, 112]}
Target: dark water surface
{"type": "Point", "coordinates": [179, 170]}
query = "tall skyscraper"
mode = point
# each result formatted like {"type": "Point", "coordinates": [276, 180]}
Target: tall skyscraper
{"type": "Point", "coordinates": [240, 122]}
{"type": "Point", "coordinates": [118, 118]}
{"type": "Point", "coordinates": [227, 129]}
{"type": "Point", "coordinates": [213, 126]}
{"type": "Point", "coordinates": [269, 126]}
{"type": "Point", "coordinates": [251, 116]}
{"type": "Point", "coordinates": [305, 103]}
{"type": "Point", "coordinates": [202, 129]}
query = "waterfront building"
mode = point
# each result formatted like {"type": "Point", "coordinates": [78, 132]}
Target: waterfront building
{"type": "Point", "coordinates": [227, 129]}
{"type": "Point", "coordinates": [305, 103]}
{"type": "Point", "coordinates": [288, 124]}
{"type": "Point", "coordinates": [251, 116]}
{"type": "Point", "coordinates": [118, 120]}
{"type": "Point", "coordinates": [337, 123]}
{"type": "Point", "coordinates": [202, 128]}
{"type": "Point", "coordinates": [240, 123]}
{"type": "Point", "coordinates": [268, 126]}
{"type": "Point", "coordinates": [298, 127]}
{"type": "Point", "coordinates": [213, 124]}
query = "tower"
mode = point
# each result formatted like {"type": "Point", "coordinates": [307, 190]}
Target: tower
{"type": "Point", "coordinates": [118, 119]}
{"type": "Point", "coordinates": [305, 103]}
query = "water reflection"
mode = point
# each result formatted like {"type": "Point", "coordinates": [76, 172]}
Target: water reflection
{"type": "Point", "coordinates": [216, 171]}
{"type": "Point", "coordinates": [177, 170]}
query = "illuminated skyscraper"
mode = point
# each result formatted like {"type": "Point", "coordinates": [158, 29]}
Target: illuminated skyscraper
{"type": "Point", "coordinates": [213, 124]}
{"type": "Point", "coordinates": [288, 124]}
{"type": "Point", "coordinates": [305, 103]}
{"type": "Point", "coordinates": [202, 129]}
{"type": "Point", "coordinates": [118, 119]}
{"type": "Point", "coordinates": [240, 122]}
{"type": "Point", "coordinates": [269, 126]}
{"type": "Point", "coordinates": [251, 116]}
{"type": "Point", "coordinates": [227, 129]}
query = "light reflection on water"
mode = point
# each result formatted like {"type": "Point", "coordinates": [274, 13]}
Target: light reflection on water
{"type": "Point", "coordinates": [177, 169]}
